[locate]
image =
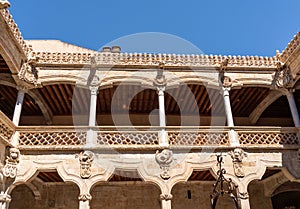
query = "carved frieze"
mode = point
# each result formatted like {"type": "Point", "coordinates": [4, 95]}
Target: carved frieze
{"type": "Point", "coordinates": [10, 167]}
{"type": "Point", "coordinates": [237, 156]}
{"type": "Point", "coordinates": [164, 159]}
{"type": "Point", "coordinates": [85, 158]}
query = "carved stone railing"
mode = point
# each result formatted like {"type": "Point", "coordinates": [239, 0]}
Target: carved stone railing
{"type": "Point", "coordinates": [7, 128]}
{"type": "Point", "coordinates": [198, 136]}
{"type": "Point", "coordinates": [268, 136]}
{"type": "Point", "coordinates": [60, 138]}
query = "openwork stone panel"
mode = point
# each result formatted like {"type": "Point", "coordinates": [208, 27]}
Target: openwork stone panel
{"type": "Point", "coordinates": [198, 138]}
{"type": "Point", "coordinates": [52, 138]}
{"type": "Point", "coordinates": [5, 131]}
{"type": "Point", "coordinates": [127, 138]}
{"type": "Point", "coordinates": [272, 138]}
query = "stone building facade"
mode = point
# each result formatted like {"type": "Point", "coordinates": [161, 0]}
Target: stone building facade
{"type": "Point", "coordinates": [86, 129]}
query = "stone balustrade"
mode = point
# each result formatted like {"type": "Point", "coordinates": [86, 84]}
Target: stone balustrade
{"type": "Point", "coordinates": [146, 137]}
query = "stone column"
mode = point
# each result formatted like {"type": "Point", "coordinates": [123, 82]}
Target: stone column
{"type": "Point", "coordinates": [293, 107]}
{"type": "Point", "coordinates": [84, 201]}
{"type": "Point", "coordinates": [245, 204]}
{"type": "Point", "coordinates": [160, 83]}
{"type": "Point", "coordinates": [4, 200]}
{"type": "Point", "coordinates": [233, 138]}
{"type": "Point", "coordinates": [18, 107]}
{"type": "Point", "coordinates": [162, 116]}
{"type": "Point", "coordinates": [93, 104]}
{"type": "Point", "coordinates": [166, 201]}
{"type": "Point", "coordinates": [92, 115]}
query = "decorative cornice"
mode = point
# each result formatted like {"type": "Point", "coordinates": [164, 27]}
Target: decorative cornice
{"type": "Point", "coordinates": [291, 47]}
{"type": "Point", "coordinates": [143, 59]}
{"type": "Point", "coordinates": [16, 32]}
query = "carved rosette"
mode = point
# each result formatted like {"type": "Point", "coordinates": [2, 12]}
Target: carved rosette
{"type": "Point", "coordinates": [85, 158]}
{"type": "Point", "coordinates": [237, 156]}
{"type": "Point", "coordinates": [10, 167]}
{"type": "Point", "coordinates": [164, 159]}
{"type": "Point", "coordinates": [29, 71]}
{"type": "Point", "coordinates": [85, 197]}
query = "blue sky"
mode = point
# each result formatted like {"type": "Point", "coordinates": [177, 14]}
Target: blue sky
{"type": "Point", "coordinates": [233, 27]}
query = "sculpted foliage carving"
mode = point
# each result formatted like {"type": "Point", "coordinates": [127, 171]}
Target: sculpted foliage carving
{"type": "Point", "coordinates": [164, 159]}
{"type": "Point", "coordinates": [237, 156]}
{"type": "Point", "coordinates": [85, 158]}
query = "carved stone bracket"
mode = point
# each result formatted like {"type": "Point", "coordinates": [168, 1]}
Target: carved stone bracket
{"type": "Point", "coordinates": [283, 77]}
{"type": "Point", "coordinates": [160, 80]}
{"type": "Point", "coordinates": [166, 196]}
{"type": "Point", "coordinates": [85, 197]}
{"type": "Point", "coordinates": [237, 156]}
{"type": "Point", "coordinates": [164, 159]}
{"type": "Point", "coordinates": [4, 4]}
{"type": "Point", "coordinates": [10, 167]}
{"type": "Point", "coordinates": [85, 158]}
{"type": "Point", "coordinates": [29, 71]}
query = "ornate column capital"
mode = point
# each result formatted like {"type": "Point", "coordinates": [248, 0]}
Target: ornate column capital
{"type": "Point", "coordinates": [160, 81]}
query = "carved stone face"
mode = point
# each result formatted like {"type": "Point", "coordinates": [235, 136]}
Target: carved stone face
{"type": "Point", "coordinates": [238, 154]}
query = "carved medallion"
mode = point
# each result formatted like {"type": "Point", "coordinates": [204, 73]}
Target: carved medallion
{"type": "Point", "coordinates": [164, 159]}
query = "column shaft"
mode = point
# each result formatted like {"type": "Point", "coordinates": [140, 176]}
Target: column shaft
{"type": "Point", "coordinates": [230, 123]}
{"type": "Point", "coordinates": [228, 111]}
{"type": "Point", "coordinates": [162, 117]}
{"type": "Point", "coordinates": [166, 204]}
{"type": "Point", "coordinates": [93, 104]}
{"type": "Point", "coordinates": [18, 107]}
{"type": "Point", "coordinates": [245, 204]}
{"type": "Point", "coordinates": [293, 108]}
{"type": "Point", "coordinates": [84, 204]}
